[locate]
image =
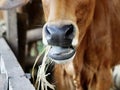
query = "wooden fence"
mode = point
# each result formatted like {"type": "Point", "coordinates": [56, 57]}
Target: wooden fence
{"type": "Point", "coordinates": [12, 77]}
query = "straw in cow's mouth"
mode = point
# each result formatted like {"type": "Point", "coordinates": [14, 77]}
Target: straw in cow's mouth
{"type": "Point", "coordinates": [41, 80]}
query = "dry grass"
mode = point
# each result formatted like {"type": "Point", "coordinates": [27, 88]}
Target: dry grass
{"type": "Point", "coordinates": [41, 80]}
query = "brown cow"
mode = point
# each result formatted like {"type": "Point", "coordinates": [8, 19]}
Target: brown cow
{"type": "Point", "coordinates": [85, 40]}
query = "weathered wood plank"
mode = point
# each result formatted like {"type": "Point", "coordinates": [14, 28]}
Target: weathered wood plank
{"type": "Point", "coordinates": [34, 35]}
{"type": "Point", "coordinates": [3, 82]}
{"type": "Point", "coordinates": [12, 33]}
{"type": "Point", "coordinates": [12, 70]}
{"type": "Point", "coordinates": [8, 4]}
{"type": "Point", "coordinates": [11, 64]}
{"type": "Point", "coordinates": [20, 83]}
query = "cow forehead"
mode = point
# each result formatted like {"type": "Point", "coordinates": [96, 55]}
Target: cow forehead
{"type": "Point", "coordinates": [68, 4]}
{"type": "Point", "coordinates": [47, 2]}
{"type": "Point", "coordinates": [67, 7]}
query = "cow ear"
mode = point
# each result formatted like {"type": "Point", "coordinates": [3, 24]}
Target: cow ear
{"type": "Point", "coordinates": [9, 4]}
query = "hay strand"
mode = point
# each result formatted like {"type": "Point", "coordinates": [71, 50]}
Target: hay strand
{"type": "Point", "coordinates": [41, 80]}
{"type": "Point", "coordinates": [33, 68]}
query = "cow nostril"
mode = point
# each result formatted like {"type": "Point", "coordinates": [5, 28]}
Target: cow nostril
{"type": "Point", "coordinates": [59, 35]}
{"type": "Point", "coordinates": [48, 31]}
{"type": "Point", "coordinates": [70, 31]}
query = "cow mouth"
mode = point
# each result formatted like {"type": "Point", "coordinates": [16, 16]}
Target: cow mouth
{"type": "Point", "coordinates": [61, 54]}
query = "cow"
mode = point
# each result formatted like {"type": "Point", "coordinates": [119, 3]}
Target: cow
{"type": "Point", "coordinates": [84, 40]}
{"type": "Point", "coordinates": [84, 36]}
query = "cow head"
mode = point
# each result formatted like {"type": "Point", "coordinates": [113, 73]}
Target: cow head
{"type": "Point", "coordinates": [66, 25]}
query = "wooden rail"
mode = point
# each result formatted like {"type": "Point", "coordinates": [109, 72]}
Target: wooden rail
{"type": "Point", "coordinates": [12, 77]}
{"type": "Point", "coordinates": [17, 32]}
{"type": "Point", "coordinates": [8, 4]}
{"type": "Point", "coordinates": [34, 35]}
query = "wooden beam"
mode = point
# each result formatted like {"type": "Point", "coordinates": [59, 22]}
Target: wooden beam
{"type": "Point", "coordinates": [3, 82]}
{"type": "Point", "coordinates": [34, 35]}
{"type": "Point", "coordinates": [10, 67]}
{"type": "Point", "coordinates": [8, 4]}
{"type": "Point", "coordinates": [12, 34]}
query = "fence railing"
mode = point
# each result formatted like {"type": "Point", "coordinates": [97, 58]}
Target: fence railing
{"type": "Point", "coordinates": [12, 77]}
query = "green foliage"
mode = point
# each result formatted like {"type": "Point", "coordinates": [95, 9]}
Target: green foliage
{"type": "Point", "coordinates": [40, 46]}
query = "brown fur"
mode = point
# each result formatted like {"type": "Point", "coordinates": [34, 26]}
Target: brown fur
{"type": "Point", "coordinates": [98, 52]}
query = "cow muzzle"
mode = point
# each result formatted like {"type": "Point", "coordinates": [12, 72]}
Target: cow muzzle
{"type": "Point", "coordinates": [61, 39]}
